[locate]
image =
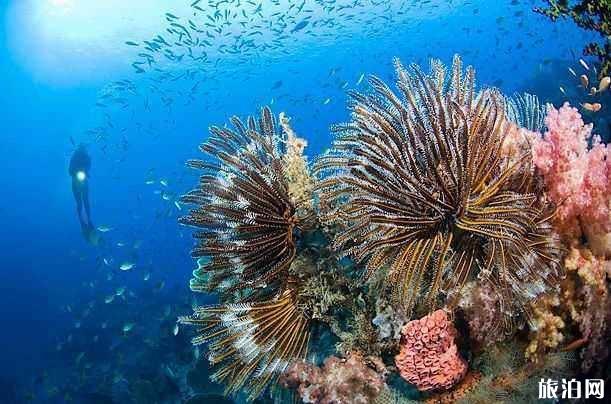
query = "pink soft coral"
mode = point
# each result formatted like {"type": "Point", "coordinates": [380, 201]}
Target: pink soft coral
{"type": "Point", "coordinates": [429, 357]}
{"type": "Point", "coordinates": [576, 175]}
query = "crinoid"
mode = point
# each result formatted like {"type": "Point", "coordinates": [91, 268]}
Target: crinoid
{"type": "Point", "coordinates": [248, 225]}
{"type": "Point", "coordinates": [417, 182]}
{"type": "Point", "coordinates": [246, 217]}
{"type": "Point", "coordinates": [526, 111]}
{"type": "Point", "coordinates": [252, 343]}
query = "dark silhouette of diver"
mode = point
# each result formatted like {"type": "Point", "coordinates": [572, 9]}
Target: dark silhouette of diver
{"type": "Point", "coordinates": [80, 164]}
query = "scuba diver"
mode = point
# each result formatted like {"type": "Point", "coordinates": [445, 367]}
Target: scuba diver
{"type": "Point", "coordinates": [80, 164]}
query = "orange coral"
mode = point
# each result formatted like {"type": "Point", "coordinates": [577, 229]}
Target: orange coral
{"type": "Point", "coordinates": [429, 356]}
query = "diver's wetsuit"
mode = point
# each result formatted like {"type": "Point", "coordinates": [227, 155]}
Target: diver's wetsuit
{"type": "Point", "coordinates": [80, 164]}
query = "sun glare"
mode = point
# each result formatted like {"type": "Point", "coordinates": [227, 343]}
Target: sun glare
{"type": "Point", "coordinates": [61, 3]}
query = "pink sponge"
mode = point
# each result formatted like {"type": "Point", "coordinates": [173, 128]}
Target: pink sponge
{"type": "Point", "coordinates": [429, 357]}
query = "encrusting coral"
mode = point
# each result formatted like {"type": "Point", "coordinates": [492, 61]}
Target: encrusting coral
{"type": "Point", "coordinates": [429, 357]}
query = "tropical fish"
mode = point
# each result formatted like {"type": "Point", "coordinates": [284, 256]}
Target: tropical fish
{"type": "Point", "coordinates": [584, 81]}
{"type": "Point", "coordinates": [584, 64]}
{"type": "Point", "coordinates": [126, 266]}
{"type": "Point", "coordinates": [595, 107]}
{"type": "Point", "coordinates": [361, 77]}
{"type": "Point", "coordinates": [604, 84]}
{"type": "Point", "coordinates": [300, 26]}
{"type": "Point", "coordinates": [128, 327]}
{"type": "Point", "coordinates": [104, 229]}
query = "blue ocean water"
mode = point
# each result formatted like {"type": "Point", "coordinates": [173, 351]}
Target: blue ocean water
{"type": "Point", "coordinates": [67, 76]}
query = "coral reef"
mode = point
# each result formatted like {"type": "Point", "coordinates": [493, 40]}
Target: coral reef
{"type": "Point", "coordinates": [475, 212]}
{"type": "Point", "coordinates": [338, 381]}
{"type": "Point", "coordinates": [593, 15]}
{"type": "Point", "coordinates": [429, 357]}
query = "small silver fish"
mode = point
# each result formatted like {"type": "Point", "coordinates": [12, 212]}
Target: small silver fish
{"type": "Point", "coordinates": [128, 327]}
{"type": "Point", "coordinates": [360, 80]}
{"type": "Point", "coordinates": [584, 64]}
{"type": "Point", "coordinates": [126, 266]}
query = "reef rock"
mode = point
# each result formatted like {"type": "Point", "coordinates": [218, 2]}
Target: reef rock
{"type": "Point", "coordinates": [429, 357]}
